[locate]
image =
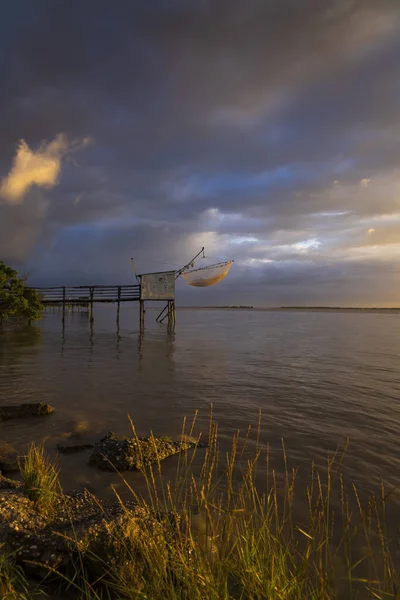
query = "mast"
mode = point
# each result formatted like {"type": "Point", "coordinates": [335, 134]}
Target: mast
{"type": "Point", "coordinates": [189, 264]}
{"type": "Point", "coordinates": [134, 268]}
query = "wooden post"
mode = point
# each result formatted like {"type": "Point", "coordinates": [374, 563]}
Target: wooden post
{"type": "Point", "coordinates": [91, 304]}
{"type": "Point", "coordinates": [171, 315]}
{"type": "Point", "coordinates": [119, 302]}
{"type": "Point", "coordinates": [173, 309]}
{"type": "Point", "coordinates": [63, 305]}
{"type": "Point", "coordinates": [141, 316]}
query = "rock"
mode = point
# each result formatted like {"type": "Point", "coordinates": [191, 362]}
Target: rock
{"type": "Point", "coordinates": [25, 410]}
{"type": "Point", "coordinates": [126, 454]}
{"type": "Point", "coordinates": [9, 484]}
{"type": "Point", "coordinates": [8, 458]}
{"type": "Point", "coordinates": [78, 523]}
{"type": "Point", "coordinates": [71, 448]}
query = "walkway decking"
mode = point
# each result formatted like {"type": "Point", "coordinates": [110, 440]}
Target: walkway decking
{"type": "Point", "coordinates": [89, 294]}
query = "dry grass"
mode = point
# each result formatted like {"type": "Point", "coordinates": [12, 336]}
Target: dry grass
{"type": "Point", "coordinates": [40, 478]}
{"type": "Point", "coordinates": [232, 532]}
{"type": "Point", "coordinates": [221, 538]}
{"type": "Point", "coordinates": [13, 584]}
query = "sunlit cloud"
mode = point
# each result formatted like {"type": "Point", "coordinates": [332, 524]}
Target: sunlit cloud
{"type": "Point", "coordinates": [254, 262]}
{"type": "Point", "coordinates": [217, 215]}
{"type": "Point", "coordinates": [41, 167]}
{"type": "Point", "coordinates": [379, 251]}
{"type": "Point", "coordinates": [244, 239]}
{"type": "Point", "coordinates": [308, 245]}
{"type": "Point", "coordinates": [339, 213]}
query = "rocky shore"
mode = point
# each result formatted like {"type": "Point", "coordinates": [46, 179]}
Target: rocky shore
{"type": "Point", "coordinates": [76, 523]}
{"type": "Point", "coordinates": [208, 535]}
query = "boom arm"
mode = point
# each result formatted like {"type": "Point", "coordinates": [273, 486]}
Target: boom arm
{"type": "Point", "coordinates": [189, 264]}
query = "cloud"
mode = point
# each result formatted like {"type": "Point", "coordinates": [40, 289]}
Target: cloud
{"type": "Point", "coordinates": [267, 131]}
{"type": "Point", "coordinates": [41, 167]}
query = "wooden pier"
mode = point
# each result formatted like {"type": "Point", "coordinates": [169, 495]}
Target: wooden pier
{"type": "Point", "coordinates": [150, 287]}
{"type": "Point", "coordinates": [88, 295]}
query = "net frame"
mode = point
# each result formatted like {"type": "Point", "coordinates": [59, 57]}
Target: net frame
{"type": "Point", "coordinates": [221, 271]}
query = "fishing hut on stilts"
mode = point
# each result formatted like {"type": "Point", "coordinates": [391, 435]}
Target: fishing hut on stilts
{"type": "Point", "coordinates": [161, 285]}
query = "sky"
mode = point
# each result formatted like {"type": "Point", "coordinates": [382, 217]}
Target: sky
{"type": "Point", "coordinates": [267, 131]}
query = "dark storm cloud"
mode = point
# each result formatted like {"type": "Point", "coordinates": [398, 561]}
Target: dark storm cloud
{"type": "Point", "coordinates": [265, 130]}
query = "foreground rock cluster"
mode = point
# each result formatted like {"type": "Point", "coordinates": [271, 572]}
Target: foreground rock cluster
{"type": "Point", "coordinates": [112, 452]}
{"type": "Point", "coordinates": [126, 454]}
{"type": "Point", "coordinates": [23, 411]}
{"type": "Point", "coordinates": [77, 523]}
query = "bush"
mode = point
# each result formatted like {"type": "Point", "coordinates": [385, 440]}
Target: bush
{"type": "Point", "coordinates": [17, 300]}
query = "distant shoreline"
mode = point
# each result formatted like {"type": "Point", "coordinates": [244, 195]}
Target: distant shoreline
{"type": "Point", "coordinates": [300, 308]}
{"type": "Point", "coordinates": [338, 308]}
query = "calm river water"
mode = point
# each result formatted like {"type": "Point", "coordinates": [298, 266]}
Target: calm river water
{"type": "Point", "coordinates": [318, 378]}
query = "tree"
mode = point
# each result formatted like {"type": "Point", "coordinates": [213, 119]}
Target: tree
{"type": "Point", "coordinates": [17, 300]}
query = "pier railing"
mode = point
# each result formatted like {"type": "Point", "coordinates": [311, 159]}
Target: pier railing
{"type": "Point", "coordinates": [88, 294]}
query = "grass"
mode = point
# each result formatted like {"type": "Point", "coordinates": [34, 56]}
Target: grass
{"type": "Point", "coordinates": [233, 532]}
{"type": "Point", "coordinates": [217, 536]}
{"type": "Point", "coordinates": [13, 584]}
{"type": "Point", "coordinates": [40, 479]}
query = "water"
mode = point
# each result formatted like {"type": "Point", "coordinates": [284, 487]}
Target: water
{"type": "Point", "coordinates": [318, 378]}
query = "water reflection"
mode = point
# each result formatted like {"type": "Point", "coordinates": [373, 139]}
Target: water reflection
{"type": "Point", "coordinates": [15, 340]}
{"type": "Point", "coordinates": [318, 378]}
{"type": "Point", "coordinates": [153, 349]}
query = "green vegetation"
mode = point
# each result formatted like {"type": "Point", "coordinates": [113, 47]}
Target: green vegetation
{"type": "Point", "coordinates": [17, 300]}
{"type": "Point", "coordinates": [233, 530]}
{"type": "Point", "coordinates": [13, 584]}
{"type": "Point", "coordinates": [40, 479]}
